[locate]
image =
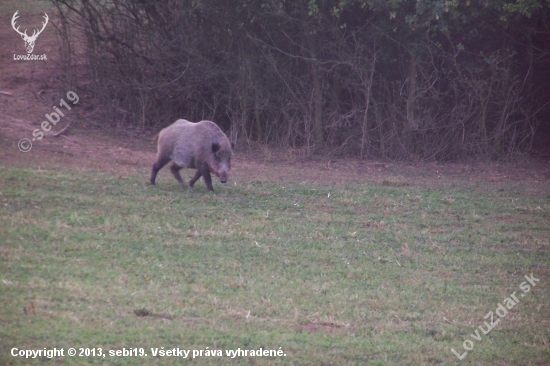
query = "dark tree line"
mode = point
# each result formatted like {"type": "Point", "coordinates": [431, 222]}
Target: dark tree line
{"type": "Point", "coordinates": [431, 79]}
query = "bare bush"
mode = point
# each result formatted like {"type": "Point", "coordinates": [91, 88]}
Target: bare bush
{"type": "Point", "coordinates": [323, 76]}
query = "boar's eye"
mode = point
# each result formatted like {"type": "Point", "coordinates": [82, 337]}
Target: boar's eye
{"type": "Point", "coordinates": [215, 147]}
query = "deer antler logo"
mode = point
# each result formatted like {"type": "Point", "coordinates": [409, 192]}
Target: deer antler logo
{"type": "Point", "coordinates": [29, 41]}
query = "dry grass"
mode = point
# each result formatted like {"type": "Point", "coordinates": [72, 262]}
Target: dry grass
{"type": "Point", "coordinates": [336, 260]}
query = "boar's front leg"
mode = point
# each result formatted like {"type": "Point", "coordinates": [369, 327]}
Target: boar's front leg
{"type": "Point", "coordinates": [205, 171]}
{"type": "Point", "coordinates": [208, 180]}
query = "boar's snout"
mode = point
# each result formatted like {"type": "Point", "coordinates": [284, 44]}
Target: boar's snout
{"type": "Point", "coordinates": [223, 177]}
{"type": "Point", "coordinates": [223, 170]}
{"type": "Point", "coordinates": [222, 174]}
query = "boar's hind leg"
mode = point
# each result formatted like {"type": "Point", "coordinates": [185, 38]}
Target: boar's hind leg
{"type": "Point", "coordinates": [198, 174]}
{"type": "Point", "coordinates": [156, 167]}
{"type": "Point", "coordinates": [175, 169]}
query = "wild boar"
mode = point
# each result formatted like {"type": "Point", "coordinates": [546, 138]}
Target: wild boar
{"type": "Point", "coordinates": [202, 146]}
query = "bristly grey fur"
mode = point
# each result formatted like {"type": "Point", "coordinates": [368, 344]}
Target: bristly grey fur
{"type": "Point", "coordinates": [202, 146]}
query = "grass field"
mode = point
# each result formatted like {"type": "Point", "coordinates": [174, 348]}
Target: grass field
{"type": "Point", "coordinates": [388, 268]}
{"type": "Point", "coordinates": [395, 273]}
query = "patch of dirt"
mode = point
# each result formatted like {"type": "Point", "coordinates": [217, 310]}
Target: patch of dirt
{"type": "Point", "coordinates": [326, 327]}
{"type": "Point", "coordinates": [29, 90]}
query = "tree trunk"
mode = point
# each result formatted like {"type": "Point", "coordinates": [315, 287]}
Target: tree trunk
{"type": "Point", "coordinates": [317, 96]}
{"type": "Point", "coordinates": [259, 129]}
{"type": "Point", "coordinates": [367, 85]}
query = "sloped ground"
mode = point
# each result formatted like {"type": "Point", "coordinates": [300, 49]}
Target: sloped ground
{"type": "Point", "coordinates": [35, 87]}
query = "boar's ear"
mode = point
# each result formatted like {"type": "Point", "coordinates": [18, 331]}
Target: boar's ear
{"type": "Point", "coordinates": [215, 147]}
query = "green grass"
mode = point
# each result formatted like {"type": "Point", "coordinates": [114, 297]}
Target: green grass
{"type": "Point", "coordinates": [352, 275]}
